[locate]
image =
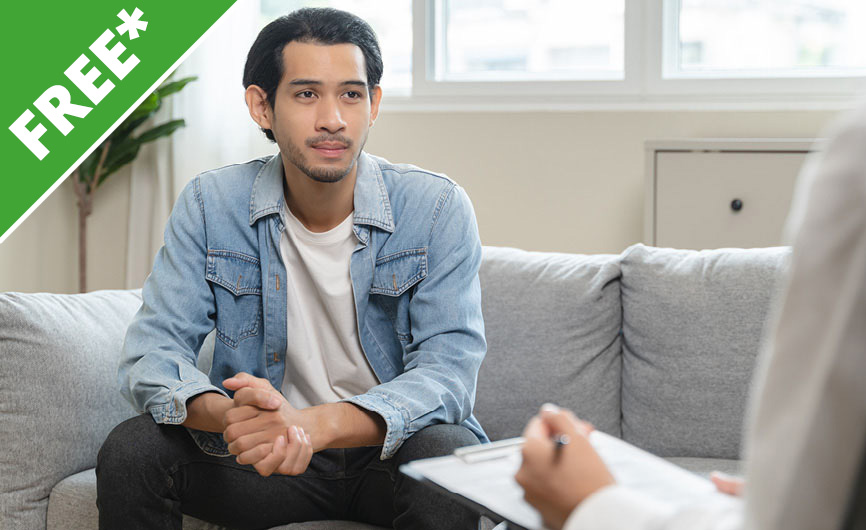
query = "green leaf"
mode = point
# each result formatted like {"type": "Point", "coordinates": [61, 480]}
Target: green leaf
{"type": "Point", "coordinates": [118, 163]}
{"type": "Point", "coordinates": [147, 107]}
{"type": "Point", "coordinates": [124, 147]}
{"type": "Point", "coordinates": [125, 129]}
{"type": "Point", "coordinates": [168, 89]}
{"type": "Point", "coordinates": [126, 151]}
{"type": "Point", "coordinates": [119, 151]}
{"type": "Point", "coordinates": [159, 131]}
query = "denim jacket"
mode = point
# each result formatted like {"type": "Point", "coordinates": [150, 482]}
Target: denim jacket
{"type": "Point", "coordinates": [415, 280]}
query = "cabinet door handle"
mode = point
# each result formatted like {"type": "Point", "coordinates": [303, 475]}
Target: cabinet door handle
{"type": "Point", "coordinates": [736, 205]}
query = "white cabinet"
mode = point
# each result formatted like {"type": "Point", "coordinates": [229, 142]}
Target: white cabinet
{"type": "Point", "coordinates": [720, 193]}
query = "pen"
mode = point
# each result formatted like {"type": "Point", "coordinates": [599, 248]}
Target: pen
{"type": "Point", "coordinates": [489, 451]}
{"type": "Point", "coordinates": [558, 443]}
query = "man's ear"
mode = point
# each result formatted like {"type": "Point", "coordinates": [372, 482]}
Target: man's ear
{"type": "Point", "coordinates": [257, 104]}
{"type": "Point", "coordinates": [375, 99]}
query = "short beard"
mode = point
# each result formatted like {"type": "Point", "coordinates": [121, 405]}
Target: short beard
{"type": "Point", "coordinates": [326, 175]}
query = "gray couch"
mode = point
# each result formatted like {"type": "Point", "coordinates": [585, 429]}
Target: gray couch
{"type": "Point", "coordinates": [653, 345]}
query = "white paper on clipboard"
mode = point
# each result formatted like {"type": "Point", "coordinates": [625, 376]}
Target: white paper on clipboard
{"type": "Point", "coordinates": [489, 481]}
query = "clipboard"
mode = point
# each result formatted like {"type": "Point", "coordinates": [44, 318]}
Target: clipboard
{"type": "Point", "coordinates": [482, 477]}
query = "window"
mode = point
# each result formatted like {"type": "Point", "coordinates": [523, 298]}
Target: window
{"type": "Point", "coordinates": [551, 54]}
{"type": "Point", "coordinates": [771, 38]}
{"type": "Point", "coordinates": [502, 40]}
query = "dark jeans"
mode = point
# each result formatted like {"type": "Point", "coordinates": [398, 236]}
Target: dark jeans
{"type": "Point", "coordinates": [149, 474]}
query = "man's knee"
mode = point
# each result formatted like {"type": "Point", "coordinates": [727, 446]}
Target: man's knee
{"type": "Point", "coordinates": [126, 444]}
{"type": "Point", "coordinates": [436, 440]}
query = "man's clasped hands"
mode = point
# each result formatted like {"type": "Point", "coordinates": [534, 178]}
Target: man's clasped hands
{"type": "Point", "coordinates": [262, 429]}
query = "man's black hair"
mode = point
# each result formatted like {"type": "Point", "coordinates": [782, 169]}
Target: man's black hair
{"type": "Point", "coordinates": [264, 66]}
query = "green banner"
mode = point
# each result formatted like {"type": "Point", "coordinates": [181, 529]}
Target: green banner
{"type": "Point", "coordinates": [74, 70]}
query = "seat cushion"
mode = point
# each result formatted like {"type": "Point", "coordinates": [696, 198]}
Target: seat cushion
{"type": "Point", "coordinates": [73, 505]}
{"type": "Point", "coordinates": [58, 391]}
{"type": "Point", "coordinates": [552, 325]}
{"type": "Point", "coordinates": [692, 327]}
{"type": "Point", "coordinates": [705, 466]}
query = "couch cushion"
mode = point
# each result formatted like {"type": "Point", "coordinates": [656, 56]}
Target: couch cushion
{"type": "Point", "coordinates": [58, 391]}
{"type": "Point", "coordinates": [552, 325]}
{"type": "Point", "coordinates": [692, 326]}
{"type": "Point", "coordinates": [705, 466]}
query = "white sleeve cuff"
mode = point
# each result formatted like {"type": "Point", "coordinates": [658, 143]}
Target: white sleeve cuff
{"type": "Point", "coordinates": [614, 507]}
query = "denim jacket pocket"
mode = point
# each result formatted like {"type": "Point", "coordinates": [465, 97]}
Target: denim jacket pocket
{"type": "Point", "coordinates": [393, 276]}
{"type": "Point", "coordinates": [237, 284]}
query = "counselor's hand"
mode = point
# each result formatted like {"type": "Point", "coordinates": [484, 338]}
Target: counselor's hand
{"type": "Point", "coordinates": [727, 484]}
{"type": "Point", "coordinates": [553, 484]}
{"type": "Point", "coordinates": [264, 430]}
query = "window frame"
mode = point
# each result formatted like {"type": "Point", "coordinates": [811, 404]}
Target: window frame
{"type": "Point", "coordinates": [428, 30]}
{"type": "Point", "coordinates": [646, 83]}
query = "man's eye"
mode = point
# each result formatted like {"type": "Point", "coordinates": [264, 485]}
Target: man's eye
{"type": "Point", "coordinates": [306, 94]}
{"type": "Point", "coordinates": [353, 94]}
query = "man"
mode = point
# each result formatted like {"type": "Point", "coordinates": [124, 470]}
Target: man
{"type": "Point", "coordinates": [345, 295]}
{"type": "Point", "coordinates": [806, 437]}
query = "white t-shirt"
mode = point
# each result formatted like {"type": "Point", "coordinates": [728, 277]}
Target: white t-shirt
{"type": "Point", "coordinates": [324, 359]}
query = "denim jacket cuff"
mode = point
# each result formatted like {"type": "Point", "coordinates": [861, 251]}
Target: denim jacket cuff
{"type": "Point", "coordinates": [174, 411]}
{"type": "Point", "coordinates": [396, 420]}
{"type": "Point", "coordinates": [211, 443]}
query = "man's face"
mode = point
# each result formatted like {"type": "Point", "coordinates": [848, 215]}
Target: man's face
{"type": "Point", "coordinates": [323, 109]}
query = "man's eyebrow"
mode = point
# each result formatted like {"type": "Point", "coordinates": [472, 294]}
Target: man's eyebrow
{"type": "Point", "coordinates": [304, 82]}
{"type": "Point", "coordinates": [352, 82]}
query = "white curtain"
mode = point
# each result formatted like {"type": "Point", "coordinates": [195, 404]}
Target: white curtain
{"type": "Point", "coordinates": [218, 132]}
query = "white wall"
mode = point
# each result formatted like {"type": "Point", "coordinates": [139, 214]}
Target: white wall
{"type": "Point", "coordinates": [557, 181]}
{"type": "Point", "coordinates": [569, 182]}
{"type": "Point", "coordinates": [42, 254]}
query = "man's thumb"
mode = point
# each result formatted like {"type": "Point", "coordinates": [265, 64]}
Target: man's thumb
{"type": "Point", "coordinates": [243, 379]}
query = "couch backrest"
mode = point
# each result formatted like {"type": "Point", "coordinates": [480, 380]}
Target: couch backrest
{"type": "Point", "coordinates": [58, 392]}
{"type": "Point", "coordinates": [692, 327]}
{"type": "Point", "coordinates": [674, 381]}
{"type": "Point", "coordinates": [552, 325]}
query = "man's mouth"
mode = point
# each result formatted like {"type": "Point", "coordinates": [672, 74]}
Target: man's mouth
{"type": "Point", "coordinates": [330, 149]}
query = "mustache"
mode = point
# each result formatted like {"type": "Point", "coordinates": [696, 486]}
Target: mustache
{"type": "Point", "coordinates": [339, 138]}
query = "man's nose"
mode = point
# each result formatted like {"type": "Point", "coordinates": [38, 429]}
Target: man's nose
{"type": "Point", "coordinates": [329, 117]}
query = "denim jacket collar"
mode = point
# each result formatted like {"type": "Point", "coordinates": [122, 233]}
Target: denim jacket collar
{"type": "Point", "coordinates": [372, 206]}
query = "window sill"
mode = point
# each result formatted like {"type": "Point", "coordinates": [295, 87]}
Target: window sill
{"type": "Point", "coordinates": [619, 102]}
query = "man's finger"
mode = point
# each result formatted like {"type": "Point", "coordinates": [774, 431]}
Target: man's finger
{"type": "Point", "coordinates": [292, 451]}
{"type": "Point", "coordinates": [243, 379]}
{"type": "Point", "coordinates": [257, 397]}
{"type": "Point", "coordinates": [271, 462]}
{"type": "Point", "coordinates": [239, 414]}
{"type": "Point", "coordinates": [304, 454]}
{"type": "Point", "coordinates": [246, 442]}
{"type": "Point", "coordinates": [254, 455]}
